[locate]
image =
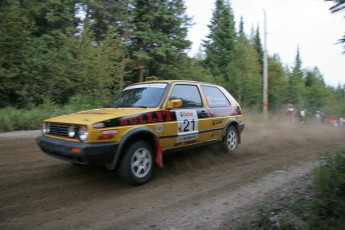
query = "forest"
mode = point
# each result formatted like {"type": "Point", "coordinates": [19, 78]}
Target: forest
{"type": "Point", "coordinates": [64, 52]}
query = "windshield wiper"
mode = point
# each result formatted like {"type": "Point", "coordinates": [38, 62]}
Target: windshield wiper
{"type": "Point", "coordinates": [140, 106]}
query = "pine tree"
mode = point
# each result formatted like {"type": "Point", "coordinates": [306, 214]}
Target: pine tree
{"type": "Point", "coordinates": [246, 80]}
{"type": "Point", "coordinates": [160, 36]}
{"type": "Point", "coordinates": [16, 27]}
{"type": "Point", "coordinates": [43, 58]}
{"type": "Point", "coordinates": [51, 15]}
{"type": "Point", "coordinates": [340, 100]}
{"type": "Point", "coordinates": [316, 95]}
{"type": "Point", "coordinates": [220, 43]}
{"type": "Point", "coordinates": [102, 15]}
{"type": "Point", "coordinates": [295, 88]}
{"type": "Point", "coordinates": [256, 40]}
{"type": "Point", "coordinates": [276, 83]}
{"type": "Point", "coordinates": [241, 29]}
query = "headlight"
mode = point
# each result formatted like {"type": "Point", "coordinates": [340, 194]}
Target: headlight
{"type": "Point", "coordinates": [83, 133]}
{"type": "Point", "coordinates": [71, 131]}
{"type": "Point", "coordinates": [45, 128]}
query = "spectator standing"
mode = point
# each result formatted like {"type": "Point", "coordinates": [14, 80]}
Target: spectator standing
{"type": "Point", "coordinates": [290, 112]}
{"type": "Point", "coordinates": [341, 122]}
{"type": "Point", "coordinates": [302, 115]}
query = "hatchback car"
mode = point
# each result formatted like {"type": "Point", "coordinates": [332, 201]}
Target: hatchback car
{"type": "Point", "coordinates": [144, 122]}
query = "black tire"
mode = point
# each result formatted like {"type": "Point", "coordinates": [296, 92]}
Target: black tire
{"type": "Point", "coordinates": [137, 164]}
{"type": "Point", "coordinates": [230, 141]}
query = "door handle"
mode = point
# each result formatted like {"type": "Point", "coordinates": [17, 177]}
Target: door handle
{"type": "Point", "coordinates": [203, 113]}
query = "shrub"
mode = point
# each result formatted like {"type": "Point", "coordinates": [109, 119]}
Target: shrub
{"type": "Point", "coordinates": [326, 211]}
{"type": "Point", "coordinates": [329, 205]}
{"type": "Point", "coordinates": [12, 119]}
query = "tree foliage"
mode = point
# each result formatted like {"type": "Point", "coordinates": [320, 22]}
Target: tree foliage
{"type": "Point", "coordinates": [44, 58]}
{"type": "Point", "coordinates": [256, 42]}
{"type": "Point", "coordinates": [220, 43]}
{"type": "Point", "coordinates": [76, 51]}
{"type": "Point", "coordinates": [338, 6]}
{"type": "Point", "coordinates": [159, 40]}
{"type": "Point", "coordinates": [276, 83]}
{"type": "Point", "coordinates": [245, 82]}
{"type": "Point", "coordinates": [295, 84]}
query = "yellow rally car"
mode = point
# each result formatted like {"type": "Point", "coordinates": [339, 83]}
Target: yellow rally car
{"type": "Point", "coordinates": [145, 121]}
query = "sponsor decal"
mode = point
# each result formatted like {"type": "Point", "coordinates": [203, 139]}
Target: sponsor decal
{"type": "Point", "coordinates": [187, 125]}
{"type": "Point", "coordinates": [184, 143]}
{"type": "Point", "coordinates": [159, 128]}
{"type": "Point", "coordinates": [157, 85]}
{"type": "Point", "coordinates": [188, 137]}
{"type": "Point", "coordinates": [175, 104]}
{"type": "Point", "coordinates": [142, 118]}
{"type": "Point", "coordinates": [217, 101]}
{"type": "Point", "coordinates": [217, 122]}
{"type": "Point", "coordinates": [152, 117]}
{"type": "Point", "coordinates": [187, 113]}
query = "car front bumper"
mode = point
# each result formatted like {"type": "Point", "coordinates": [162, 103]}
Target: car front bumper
{"type": "Point", "coordinates": [78, 152]}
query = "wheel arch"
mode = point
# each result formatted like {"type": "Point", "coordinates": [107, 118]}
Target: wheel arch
{"type": "Point", "coordinates": [232, 122]}
{"type": "Point", "coordinates": [134, 135]}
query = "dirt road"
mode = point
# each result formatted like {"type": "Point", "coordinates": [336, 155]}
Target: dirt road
{"type": "Point", "coordinates": [199, 189]}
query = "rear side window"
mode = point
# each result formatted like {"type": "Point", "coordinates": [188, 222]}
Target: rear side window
{"type": "Point", "coordinates": [215, 97]}
{"type": "Point", "coordinates": [189, 94]}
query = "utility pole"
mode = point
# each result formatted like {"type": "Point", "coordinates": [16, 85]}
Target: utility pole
{"type": "Point", "coordinates": [265, 73]}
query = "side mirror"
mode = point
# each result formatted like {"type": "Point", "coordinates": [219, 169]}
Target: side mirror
{"type": "Point", "coordinates": [175, 103]}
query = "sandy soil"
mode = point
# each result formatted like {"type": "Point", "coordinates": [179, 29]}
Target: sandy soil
{"type": "Point", "coordinates": [198, 189]}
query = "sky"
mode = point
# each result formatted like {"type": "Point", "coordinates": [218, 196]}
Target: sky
{"type": "Point", "coordinates": [291, 24]}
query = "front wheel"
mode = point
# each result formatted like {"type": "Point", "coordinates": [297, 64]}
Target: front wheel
{"type": "Point", "coordinates": [137, 164]}
{"type": "Point", "coordinates": [230, 141]}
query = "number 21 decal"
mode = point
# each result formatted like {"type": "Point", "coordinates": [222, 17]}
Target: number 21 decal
{"type": "Point", "coordinates": [189, 125]}
{"type": "Point", "coordinates": [187, 122]}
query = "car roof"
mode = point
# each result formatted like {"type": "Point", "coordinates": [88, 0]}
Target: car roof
{"type": "Point", "coordinates": [177, 81]}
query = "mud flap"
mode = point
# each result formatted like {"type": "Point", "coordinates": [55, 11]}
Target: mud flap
{"type": "Point", "coordinates": [239, 134]}
{"type": "Point", "coordinates": [159, 154]}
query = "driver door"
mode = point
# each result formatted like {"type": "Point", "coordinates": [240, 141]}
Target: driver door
{"type": "Point", "coordinates": [185, 130]}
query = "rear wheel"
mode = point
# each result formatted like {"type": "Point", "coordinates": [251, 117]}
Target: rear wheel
{"type": "Point", "coordinates": [230, 141]}
{"type": "Point", "coordinates": [137, 164]}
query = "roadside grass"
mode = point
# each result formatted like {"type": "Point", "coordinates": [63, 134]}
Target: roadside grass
{"type": "Point", "coordinates": [13, 119]}
{"type": "Point", "coordinates": [325, 210]}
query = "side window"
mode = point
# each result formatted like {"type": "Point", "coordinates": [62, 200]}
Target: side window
{"type": "Point", "coordinates": [189, 94]}
{"type": "Point", "coordinates": [215, 97]}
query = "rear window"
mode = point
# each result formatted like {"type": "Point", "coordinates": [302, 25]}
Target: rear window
{"type": "Point", "coordinates": [215, 97]}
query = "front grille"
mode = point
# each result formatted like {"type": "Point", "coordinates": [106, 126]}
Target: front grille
{"type": "Point", "coordinates": [58, 129]}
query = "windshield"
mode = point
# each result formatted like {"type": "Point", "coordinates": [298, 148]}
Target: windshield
{"type": "Point", "coordinates": [146, 95]}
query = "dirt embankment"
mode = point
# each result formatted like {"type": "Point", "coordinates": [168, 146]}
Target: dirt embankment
{"type": "Point", "coordinates": [197, 189]}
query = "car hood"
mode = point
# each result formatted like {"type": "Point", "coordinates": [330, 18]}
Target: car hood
{"type": "Point", "coordinates": [89, 117]}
